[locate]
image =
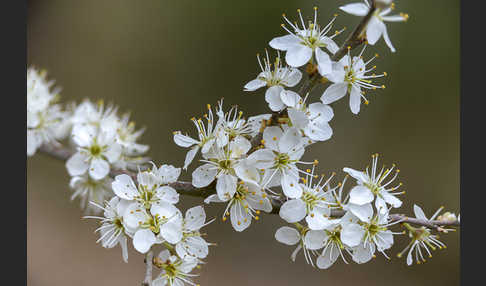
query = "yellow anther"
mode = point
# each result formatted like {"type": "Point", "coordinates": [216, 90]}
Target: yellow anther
{"type": "Point", "coordinates": [377, 55]}
{"type": "Point", "coordinates": [262, 141]}
{"type": "Point", "coordinates": [312, 215]}
{"type": "Point", "coordinates": [239, 222]}
{"type": "Point", "coordinates": [257, 217]}
{"type": "Point", "coordinates": [385, 73]}
{"type": "Point", "coordinates": [224, 218]}
{"type": "Point", "coordinates": [315, 7]}
{"type": "Point", "coordinates": [383, 86]}
{"type": "Point", "coordinates": [274, 138]}
{"type": "Point", "coordinates": [335, 15]}
{"type": "Point", "coordinates": [257, 212]}
{"type": "Point", "coordinates": [367, 102]}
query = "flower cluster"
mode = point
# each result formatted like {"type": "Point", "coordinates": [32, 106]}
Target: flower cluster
{"type": "Point", "coordinates": [249, 164]}
{"type": "Point", "coordinates": [103, 141]}
{"type": "Point", "coordinates": [145, 212]}
{"type": "Point", "coordinates": [360, 231]}
{"type": "Point", "coordinates": [46, 121]}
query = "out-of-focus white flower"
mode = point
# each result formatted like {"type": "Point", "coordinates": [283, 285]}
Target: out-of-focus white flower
{"type": "Point", "coordinates": [303, 42]}
{"type": "Point", "coordinates": [45, 120]}
{"type": "Point", "coordinates": [175, 271]}
{"type": "Point", "coordinates": [206, 136]}
{"type": "Point", "coordinates": [371, 184]}
{"type": "Point", "coordinates": [113, 230]}
{"type": "Point", "coordinates": [96, 150]}
{"type": "Point", "coordinates": [349, 76]}
{"type": "Point", "coordinates": [275, 79]}
{"type": "Point", "coordinates": [376, 26]}
{"type": "Point", "coordinates": [192, 245]}
{"type": "Point", "coordinates": [152, 186]}
{"type": "Point", "coordinates": [90, 190]}
{"type": "Point", "coordinates": [311, 119]}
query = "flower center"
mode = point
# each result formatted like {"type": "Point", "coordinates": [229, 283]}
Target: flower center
{"type": "Point", "coordinates": [281, 160]}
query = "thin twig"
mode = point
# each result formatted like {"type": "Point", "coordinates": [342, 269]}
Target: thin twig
{"type": "Point", "coordinates": [187, 189]}
{"type": "Point", "coordinates": [148, 268]}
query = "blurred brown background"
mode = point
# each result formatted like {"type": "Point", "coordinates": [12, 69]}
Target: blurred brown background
{"type": "Point", "coordinates": [164, 60]}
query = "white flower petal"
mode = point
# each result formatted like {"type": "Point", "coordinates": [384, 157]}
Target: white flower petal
{"type": "Point", "coordinates": [290, 98]}
{"type": "Point", "coordinates": [363, 212]}
{"type": "Point", "coordinates": [315, 239]}
{"type": "Point", "coordinates": [203, 175]}
{"type": "Point", "coordinates": [355, 99]}
{"type": "Point", "coordinates": [293, 78]}
{"type": "Point", "coordinates": [124, 187]}
{"type": "Point", "coordinates": [271, 136]}
{"type": "Point", "coordinates": [298, 55]}
{"type": "Point", "coordinates": [143, 240]}
{"type": "Point", "coordinates": [254, 85]}
{"type": "Point", "coordinates": [419, 213]}
{"type": "Point", "coordinates": [226, 187]}
{"type": "Point", "coordinates": [352, 234]}
{"type": "Point", "coordinates": [334, 92]}
{"type": "Point", "coordinates": [290, 141]}
{"type": "Point", "coordinates": [374, 30]}
{"type": "Point", "coordinates": [171, 231]}
{"type": "Point", "coordinates": [240, 218]}
{"type": "Point", "coordinates": [360, 195]}
{"type": "Point", "coordinates": [357, 9]}
{"type": "Point", "coordinates": [190, 156]}
{"type": "Point", "coordinates": [284, 43]}
{"type": "Point", "coordinates": [324, 63]}
{"type": "Point", "coordinates": [183, 140]}
{"type": "Point", "coordinates": [77, 164]}
{"type": "Point", "coordinates": [272, 97]}
{"type": "Point", "coordinates": [99, 168]}
{"type": "Point", "coordinates": [328, 257]}
{"type": "Point", "coordinates": [293, 211]}
{"type": "Point", "coordinates": [291, 187]}
{"type": "Point", "coordinates": [287, 235]}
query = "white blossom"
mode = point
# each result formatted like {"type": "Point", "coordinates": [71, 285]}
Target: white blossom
{"type": "Point", "coordinates": [376, 26]}
{"type": "Point", "coordinates": [304, 42]}
{"type": "Point", "coordinates": [161, 222]}
{"type": "Point", "coordinates": [275, 79]}
{"type": "Point", "coordinates": [220, 165]}
{"type": "Point", "coordinates": [153, 186]}
{"type": "Point", "coordinates": [192, 245]}
{"type": "Point", "coordinates": [96, 150]}
{"type": "Point", "coordinates": [311, 119]}
{"type": "Point", "coordinates": [45, 119]}
{"type": "Point", "coordinates": [349, 76]}
{"type": "Point", "coordinates": [421, 238]}
{"type": "Point", "coordinates": [308, 240]}
{"type": "Point", "coordinates": [89, 190]}
{"type": "Point", "coordinates": [206, 136]}
{"type": "Point", "coordinates": [372, 183]}
{"type": "Point", "coordinates": [175, 271]}
{"type": "Point", "coordinates": [282, 152]}
{"type": "Point", "coordinates": [245, 205]}
{"type": "Point", "coordinates": [113, 230]}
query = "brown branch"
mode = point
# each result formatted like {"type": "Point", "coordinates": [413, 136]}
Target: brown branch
{"type": "Point", "coordinates": [187, 189]}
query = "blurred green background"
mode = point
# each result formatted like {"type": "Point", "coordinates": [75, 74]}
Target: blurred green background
{"type": "Point", "coordinates": [164, 60]}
